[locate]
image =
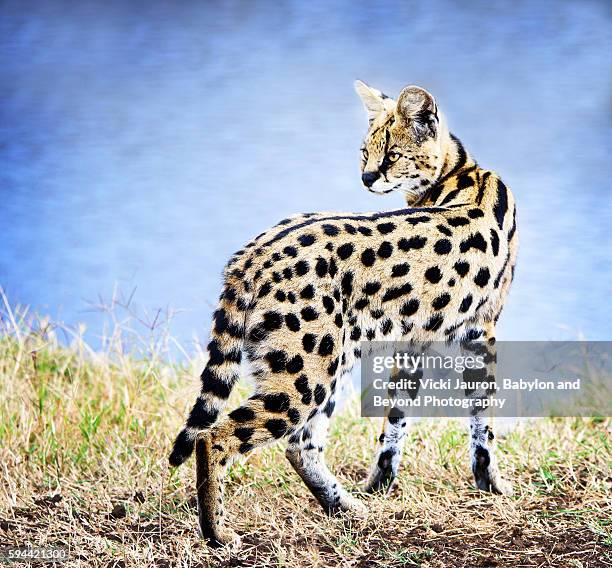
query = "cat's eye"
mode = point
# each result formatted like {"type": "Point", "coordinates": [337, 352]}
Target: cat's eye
{"type": "Point", "coordinates": [364, 153]}
{"type": "Point", "coordinates": [393, 156]}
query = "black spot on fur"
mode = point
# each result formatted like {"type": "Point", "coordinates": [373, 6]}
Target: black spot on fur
{"type": "Point", "coordinates": [328, 304]}
{"type": "Point", "coordinates": [309, 313]}
{"type": "Point", "coordinates": [330, 230]}
{"type": "Point", "coordinates": [349, 229]}
{"type": "Point", "coordinates": [214, 385]}
{"type": "Point", "coordinates": [464, 181]}
{"type": "Point", "coordinates": [482, 277]}
{"type": "Point", "coordinates": [244, 434]}
{"type": "Point", "coordinates": [400, 270]}
{"type": "Point", "coordinates": [291, 297]}
{"type": "Point", "coordinates": [513, 228]}
{"type": "Point", "coordinates": [333, 367]}
{"type": "Point", "coordinates": [215, 355]}
{"type": "Point", "coordinates": [321, 267]}
{"type": "Point", "coordinates": [356, 333]}
{"type": "Point", "coordinates": [371, 288]}
{"type": "Point", "coordinates": [371, 334]}
{"type": "Point", "coordinates": [338, 320]}
{"type": "Point", "coordinates": [229, 294]}
{"type": "Point", "coordinates": [200, 416]}
{"type": "Point", "coordinates": [410, 307]}
{"type": "Point", "coordinates": [458, 221]}
{"type": "Point", "coordinates": [326, 346]}
{"type": "Point", "coordinates": [308, 342]}
{"type": "Point", "coordinates": [277, 360]}
{"type": "Point", "coordinates": [272, 321]}
{"type": "Point", "coordinates": [294, 415]}
{"type": "Point", "coordinates": [221, 321]}
{"type": "Point", "coordinates": [433, 274]}
{"type": "Point", "coordinates": [386, 326]}
{"type": "Point", "coordinates": [293, 322]}
{"type": "Point", "coordinates": [385, 250]}
{"type": "Point", "coordinates": [245, 447]}
{"type": "Point", "coordinates": [301, 268]}
{"type": "Point", "coordinates": [494, 242]}
{"type": "Point", "coordinates": [377, 314]}
{"type": "Point", "coordinates": [385, 228]}
{"type": "Point", "coordinates": [307, 292]}
{"type": "Point", "coordinates": [280, 296]}
{"type": "Point", "coordinates": [278, 402]}
{"type": "Point", "coordinates": [264, 290]}
{"type": "Point", "coordinates": [397, 292]}
{"type": "Point", "coordinates": [443, 246]}
{"type": "Point", "coordinates": [501, 205]}
{"type": "Point", "coordinates": [329, 407]}
{"type": "Point", "coordinates": [242, 414]}
{"type": "Point", "coordinates": [345, 251]}
{"type": "Point", "coordinates": [476, 241]}
{"type": "Point", "coordinates": [417, 220]}
{"type": "Point", "coordinates": [277, 427]}
{"type": "Point", "coordinates": [444, 230]}
{"type": "Point", "coordinates": [306, 240]}
{"type": "Point", "coordinates": [462, 268]}
{"type": "Point", "coordinates": [290, 251]}
{"type": "Point", "coordinates": [475, 213]}
{"type": "Point", "coordinates": [361, 303]}
{"type": "Point", "coordinates": [367, 257]}
{"type": "Point", "coordinates": [347, 284]}
{"type": "Point", "coordinates": [295, 364]}
{"type": "Point", "coordinates": [301, 384]}
{"type": "Point", "coordinates": [333, 268]}
{"type": "Point", "coordinates": [412, 243]}
{"type": "Point", "coordinates": [385, 459]}
{"type": "Point", "coordinates": [365, 231]}
{"type": "Point", "coordinates": [319, 394]}
{"type": "Point", "coordinates": [441, 301]}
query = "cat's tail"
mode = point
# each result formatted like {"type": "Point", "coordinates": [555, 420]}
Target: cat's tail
{"type": "Point", "coordinates": [219, 376]}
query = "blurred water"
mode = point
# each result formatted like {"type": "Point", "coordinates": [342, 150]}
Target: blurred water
{"type": "Point", "coordinates": [142, 143]}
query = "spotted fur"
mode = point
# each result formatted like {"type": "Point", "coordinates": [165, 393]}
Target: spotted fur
{"type": "Point", "coordinates": [298, 300]}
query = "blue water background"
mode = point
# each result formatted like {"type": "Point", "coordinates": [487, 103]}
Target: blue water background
{"type": "Point", "coordinates": [142, 143]}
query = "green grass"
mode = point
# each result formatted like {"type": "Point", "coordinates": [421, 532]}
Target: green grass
{"type": "Point", "coordinates": [84, 439]}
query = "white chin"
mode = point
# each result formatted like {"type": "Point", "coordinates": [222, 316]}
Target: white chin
{"type": "Point", "coordinates": [380, 190]}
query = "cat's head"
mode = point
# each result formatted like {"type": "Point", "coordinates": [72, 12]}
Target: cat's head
{"type": "Point", "coordinates": [404, 149]}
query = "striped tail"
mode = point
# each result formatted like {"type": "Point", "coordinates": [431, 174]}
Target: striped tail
{"type": "Point", "coordinates": [218, 378]}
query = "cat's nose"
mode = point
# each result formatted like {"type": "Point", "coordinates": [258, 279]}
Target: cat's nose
{"type": "Point", "coordinates": [368, 178]}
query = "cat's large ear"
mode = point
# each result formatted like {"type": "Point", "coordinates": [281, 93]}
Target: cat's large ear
{"type": "Point", "coordinates": [417, 109]}
{"type": "Point", "coordinates": [373, 100]}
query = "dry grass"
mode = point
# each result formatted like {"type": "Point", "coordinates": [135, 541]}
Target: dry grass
{"type": "Point", "coordinates": [84, 438]}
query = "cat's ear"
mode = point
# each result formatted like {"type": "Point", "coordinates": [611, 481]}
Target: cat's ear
{"type": "Point", "coordinates": [417, 109]}
{"type": "Point", "coordinates": [373, 100]}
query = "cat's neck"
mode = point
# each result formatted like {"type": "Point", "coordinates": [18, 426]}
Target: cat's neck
{"type": "Point", "coordinates": [455, 184]}
{"type": "Point", "coordinates": [456, 159]}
